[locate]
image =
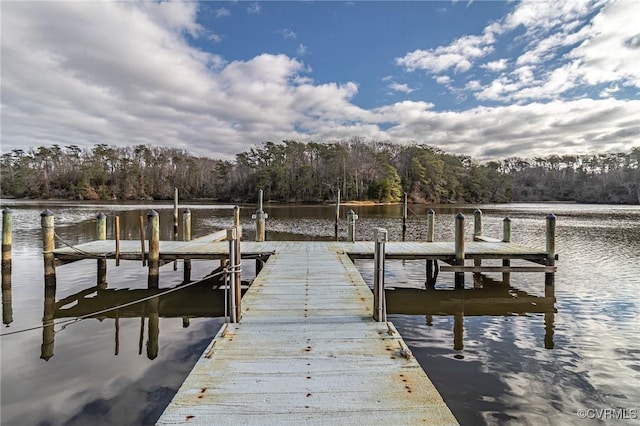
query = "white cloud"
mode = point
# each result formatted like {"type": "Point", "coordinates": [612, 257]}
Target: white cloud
{"type": "Point", "coordinates": [495, 66]}
{"type": "Point", "coordinates": [301, 50]}
{"type": "Point", "coordinates": [222, 12]}
{"type": "Point", "coordinates": [134, 79]}
{"type": "Point", "coordinates": [398, 87]}
{"type": "Point", "coordinates": [288, 33]}
{"type": "Point", "coordinates": [254, 8]}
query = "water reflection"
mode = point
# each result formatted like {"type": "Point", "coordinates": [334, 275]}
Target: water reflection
{"type": "Point", "coordinates": [205, 299]}
{"type": "Point", "coordinates": [493, 298]}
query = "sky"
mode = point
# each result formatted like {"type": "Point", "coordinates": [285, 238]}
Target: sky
{"type": "Point", "coordinates": [490, 79]}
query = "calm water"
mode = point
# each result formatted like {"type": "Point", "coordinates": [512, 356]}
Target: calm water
{"type": "Point", "coordinates": [498, 353]}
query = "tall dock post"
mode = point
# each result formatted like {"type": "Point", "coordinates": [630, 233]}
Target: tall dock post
{"type": "Point", "coordinates": [116, 225]}
{"type": "Point", "coordinates": [7, 224]}
{"type": "Point", "coordinates": [549, 277]}
{"type": "Point", "coordinates": [47, 221]}
{"type": "Point", "coordinates": [506, 238]}
{"type": "Point", "coordinates": [238, 269]}
{"type": "Point", "coordinates": [101, 235]}
{"type": "Point", "coordinates": [431, 265]}
{"type": "Point", "coordinates": [459, 247]}
{"type": "Point", "coordinates": [7, 306]}
{"type": "Point", "coordinates": [175, 222]}
{"type": "Point", "coordinates": [404, 216]}
{"type": "Point", "coordinates": [379, 302]}
{"type": "Point", "coordinates": [351, 225]}
{"type": "Point", "coordinates": [337, 214]}
{"type": "Point", "coordinates": [260, 217]}
{"type": "Point", "coordinates": [154, 248]}
{"type": "Point", "coordinates": [186, 236]}
{"type": "Point", "coordinates": [231, 237]}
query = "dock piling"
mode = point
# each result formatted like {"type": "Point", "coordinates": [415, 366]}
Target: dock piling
{"type": "Point", "coordinates": [260, 217]}
{"type": "Point", "coordinates": [459, 249]}
{"type": "Point", "coordinates": [175, 222]}
{"type": "Point", "coordinates": [231, 237]}
{"type": "Point", "coordinates": [47, 221]}
{"type": "Point", "coordinates": [506, 238]}
{"type": "Point", "coordinates": [477, 233]}
{"type": "Point", "coordinates": [549, 277]}
{"type": "Point", "coordinates": [379, 303]}
{"type": "Point", "coordinates": [101, 235]}
{"type": "Point", "coordinates": [404, 216]}
{"type": "Point", "coordinates": [337, 214]}
{"type": "Point", "coordinates": [186, 236]}
{"type": "Point", "coordinates": [116, 225]}
{"type": "Point", "coordinates": [154, 248]}
{"type": "Point", "coordinates": [351, 225]}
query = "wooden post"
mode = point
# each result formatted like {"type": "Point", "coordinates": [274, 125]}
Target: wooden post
{"type": "Point", "coordinates": [186, 236]}
{"type": "Point", "coordinates": [7, 224]}
{"type": "Point", "coordinates": [101, 235]}
{"type": "Point", "coordinates": [154, 248]}
{"type": "Point", "coordinates": [379, 302]}
{"type": "Point", "coordinates": [351, 225]}
{"type": "Point", "coordinates": [259, 217]}
{"type": "Point", "coordinates": [116, 223]}
{"type": "Point", "coordinates": [404, 216]}
{"type": "Point", "coordinates": [231, 237]}
{"type": "Point", "coordinates": [236, 211]}
{"type": "Point", "coordinates": [337, 214]}
{"type": "Point", "coordinates": [7, 305]}
{"type": "Point", "coordinates": [459, 246]}
{"type": "Point", "coordinates": [506, 238]}
{"type": "Point", "coordinates": [549, 277]}
{"type": "Point", "coordinates": [238, 270]}
{"type": "Point", "coordinates": [477, 232]}
{"type": "Point", "coordinates": [175, 222]}
{"type": "Point", "coordinates": [142, 237]}
{"type": "Point", "coordinates": [47, 221]}
{"type": "Point", "coordinates": [431, 272]}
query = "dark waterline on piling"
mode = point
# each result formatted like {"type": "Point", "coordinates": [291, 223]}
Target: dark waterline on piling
{"type": "Point", "coordinates": [489, 365]}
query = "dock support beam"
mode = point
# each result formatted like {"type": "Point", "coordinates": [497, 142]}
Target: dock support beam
{"type": "Point", "coordinates": [186, 236]}
{"type": "Point", "coordinates": [153, 220]}
{"type": "Point", "coordinates": [431, 265]}
{"type": "Point", "coordinates": [101, 235]}
{"type": "Point", "coordinates": [379, 302]}
{"type": "Point", "coordinates": [459, 247]}
{"type": "Point", "coordinates": [351, 225]}
{"type": "Point", "coordinates": [47, 221]}
{"type": "Point", "coordinates": [549, 277]}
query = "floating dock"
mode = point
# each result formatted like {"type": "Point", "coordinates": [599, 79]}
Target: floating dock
{"type": "Point", "coordinates": [307, 351]}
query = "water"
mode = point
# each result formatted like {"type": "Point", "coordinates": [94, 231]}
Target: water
{"type": "Point", "coordinates": [498, 354]}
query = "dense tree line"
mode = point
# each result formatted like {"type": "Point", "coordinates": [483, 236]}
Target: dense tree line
{"type": "Point", "coordinates": [313, 172]}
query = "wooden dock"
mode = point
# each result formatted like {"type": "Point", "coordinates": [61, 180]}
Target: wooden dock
{"type": "Point", "coordinates": [307, 351]}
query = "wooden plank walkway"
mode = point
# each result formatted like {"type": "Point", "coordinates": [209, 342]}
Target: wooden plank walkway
{"type": "Point", "coordinates": [307, 351]}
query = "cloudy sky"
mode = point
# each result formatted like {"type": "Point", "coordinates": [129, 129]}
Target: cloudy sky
{"type": "Point", "coordinates": [487, 78]}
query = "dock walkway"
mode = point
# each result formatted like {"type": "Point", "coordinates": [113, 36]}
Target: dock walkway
{"type": "Point", "coordinates": [307, 351]}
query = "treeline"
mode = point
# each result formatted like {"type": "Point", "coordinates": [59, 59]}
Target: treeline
{"type": "Point", "coordinates": [313, 172]}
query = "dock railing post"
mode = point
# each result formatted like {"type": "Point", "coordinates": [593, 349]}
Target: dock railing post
{"type": "Point", "coordinates": [48, 245]}
{"type": "Point", "coordinates": [431, 272]}
{"type": "Point", "coordinates": [260, 217]}
{"type": "Point", "coordinates": [379, 302]}
{"type": "Point", "coordinates": [116, 223]}
{"type": "Point", "coordinates": [404, 216]}
{"type": "Point", "coordinates": [477, 232]}
{"type": "Point", "coordinates": [142, 250]}
{"type": "Point", "coordinates": [506, 238]}
{"type": "Point", "coordinates": [101, 235]}
{"type": "Point", "coordinates": [351, 225]}
{"type": "Point", "coordinates": [231, 237]}
{"type": "Point", "coordinates": [459, 248]}
{"type": "Point", "coordinates": [153, 220]}
{"type": "Point", "coordinates": [186, 236]}
{"type": "Point", "coordinates": [337, 214]}
{"type": "Point", "coordinates": [549, 277]}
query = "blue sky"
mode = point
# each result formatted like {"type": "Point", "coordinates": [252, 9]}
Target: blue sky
{"type": "Point", "coordinates": [487, 78]}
